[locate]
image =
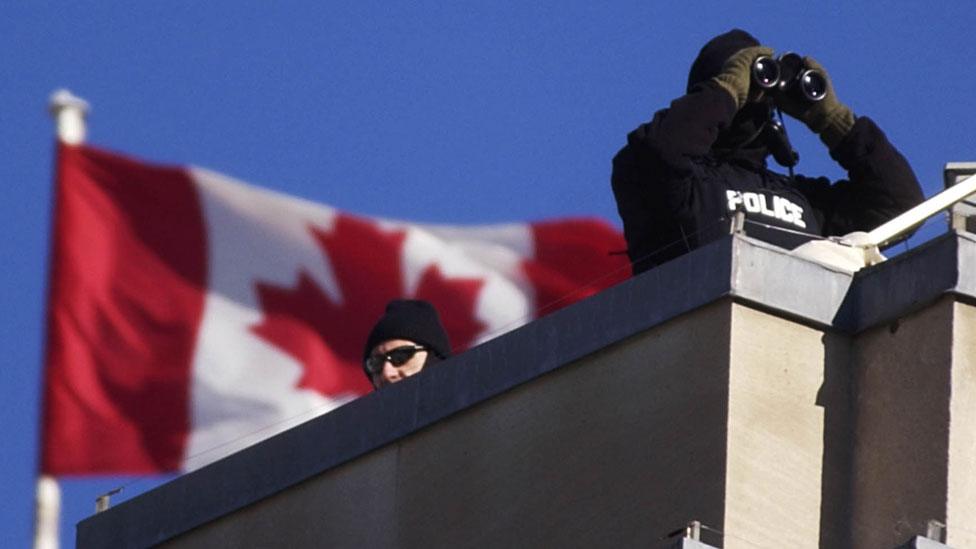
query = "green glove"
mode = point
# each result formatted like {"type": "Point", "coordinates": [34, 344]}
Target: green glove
{"type": "Point", "coordinates": [829, 118]}
{"type": "Point", "coordinates": [736, 75]}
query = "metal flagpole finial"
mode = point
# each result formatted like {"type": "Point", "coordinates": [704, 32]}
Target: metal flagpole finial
{"type": "Point", "coordinates": [69, 112]}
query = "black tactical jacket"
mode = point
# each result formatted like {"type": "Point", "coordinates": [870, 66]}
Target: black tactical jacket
{"type": "Point", "coordinates": [675, 193]}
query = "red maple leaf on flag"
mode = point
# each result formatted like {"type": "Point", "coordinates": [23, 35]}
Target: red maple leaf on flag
{"type": "Point", "coordinates": [326, 337]}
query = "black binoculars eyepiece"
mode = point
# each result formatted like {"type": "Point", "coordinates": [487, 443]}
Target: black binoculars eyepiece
{"type": "Point", "coordinates": [789, 75]}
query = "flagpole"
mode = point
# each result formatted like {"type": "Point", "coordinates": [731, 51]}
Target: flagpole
{"type": "Point", "coordinates": [69, 113]}
{"type": "Point", "coordinates": [47, 513]}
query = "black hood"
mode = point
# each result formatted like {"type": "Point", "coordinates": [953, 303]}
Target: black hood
{"type": "Point", "coordinates": [740, 142]}
{"type": "Point", "coordinates": [714, 54]}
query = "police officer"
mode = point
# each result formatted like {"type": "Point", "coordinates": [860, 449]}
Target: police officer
{"type": "Point", "coordinates": [406, 339]}
{"type": "Point", "coordinates": [682, 175]}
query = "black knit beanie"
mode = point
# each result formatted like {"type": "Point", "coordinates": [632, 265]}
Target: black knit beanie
{"type": "Point", "coordinates": [412, 319]}
{"type": "Point", "coordinates": [714, 54]}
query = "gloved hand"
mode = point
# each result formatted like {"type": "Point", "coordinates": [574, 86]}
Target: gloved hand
{"type": "Point", "coordinates": [736, 75]}
{"type": "Point", "coordinates": [829, 118]}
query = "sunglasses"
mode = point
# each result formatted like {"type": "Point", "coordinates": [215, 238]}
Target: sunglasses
{"type": "Point", "coordinates": [397, 357]}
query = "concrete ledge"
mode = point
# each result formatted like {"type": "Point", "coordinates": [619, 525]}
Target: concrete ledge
{"type": "Point", "coordinates": [919, 542]}
{"type": "Point", "coordinates": [884, 292]}
{"type": "Point", "coordinates": [767, 277]}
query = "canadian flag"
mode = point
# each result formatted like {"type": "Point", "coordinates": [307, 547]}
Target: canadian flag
{"type": "Point", "coordinates": [191, 315]}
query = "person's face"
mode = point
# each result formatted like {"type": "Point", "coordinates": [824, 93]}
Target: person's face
{"type": "Point", "coordinates": [391, 373]}
{"type": "Point", "coordinates": [744, 129]}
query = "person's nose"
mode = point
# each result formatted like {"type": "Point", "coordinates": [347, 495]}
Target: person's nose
{"type": "Point", "coordinates": [390, 373]}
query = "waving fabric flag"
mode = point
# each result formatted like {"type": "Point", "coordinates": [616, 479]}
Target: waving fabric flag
{"type": "Point", "coordinates": [191, 315]}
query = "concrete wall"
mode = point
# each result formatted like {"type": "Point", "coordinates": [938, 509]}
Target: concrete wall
{"type": "Point", "coordinates": [901, 428]}
{"type": "Point", "coordinates": [961, 504]}
{"type": "Point", "coordinates": [776, 432]}
{"type": "Point", "coordinates": [786, 380]}
{"type": "Point", "coordinates": [616, 450]}
{"type": "Point", "coordinates": [915, 427]}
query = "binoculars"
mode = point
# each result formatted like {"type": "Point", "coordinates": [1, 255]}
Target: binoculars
{"type": "Point", "coordinates": [788, 75]}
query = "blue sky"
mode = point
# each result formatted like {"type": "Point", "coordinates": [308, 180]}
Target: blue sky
{"type": "Point", "coordinates": [451, 112]}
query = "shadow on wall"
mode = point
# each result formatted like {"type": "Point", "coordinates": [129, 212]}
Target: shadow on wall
{"type": "Point", "coordinates": [834, 397]}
